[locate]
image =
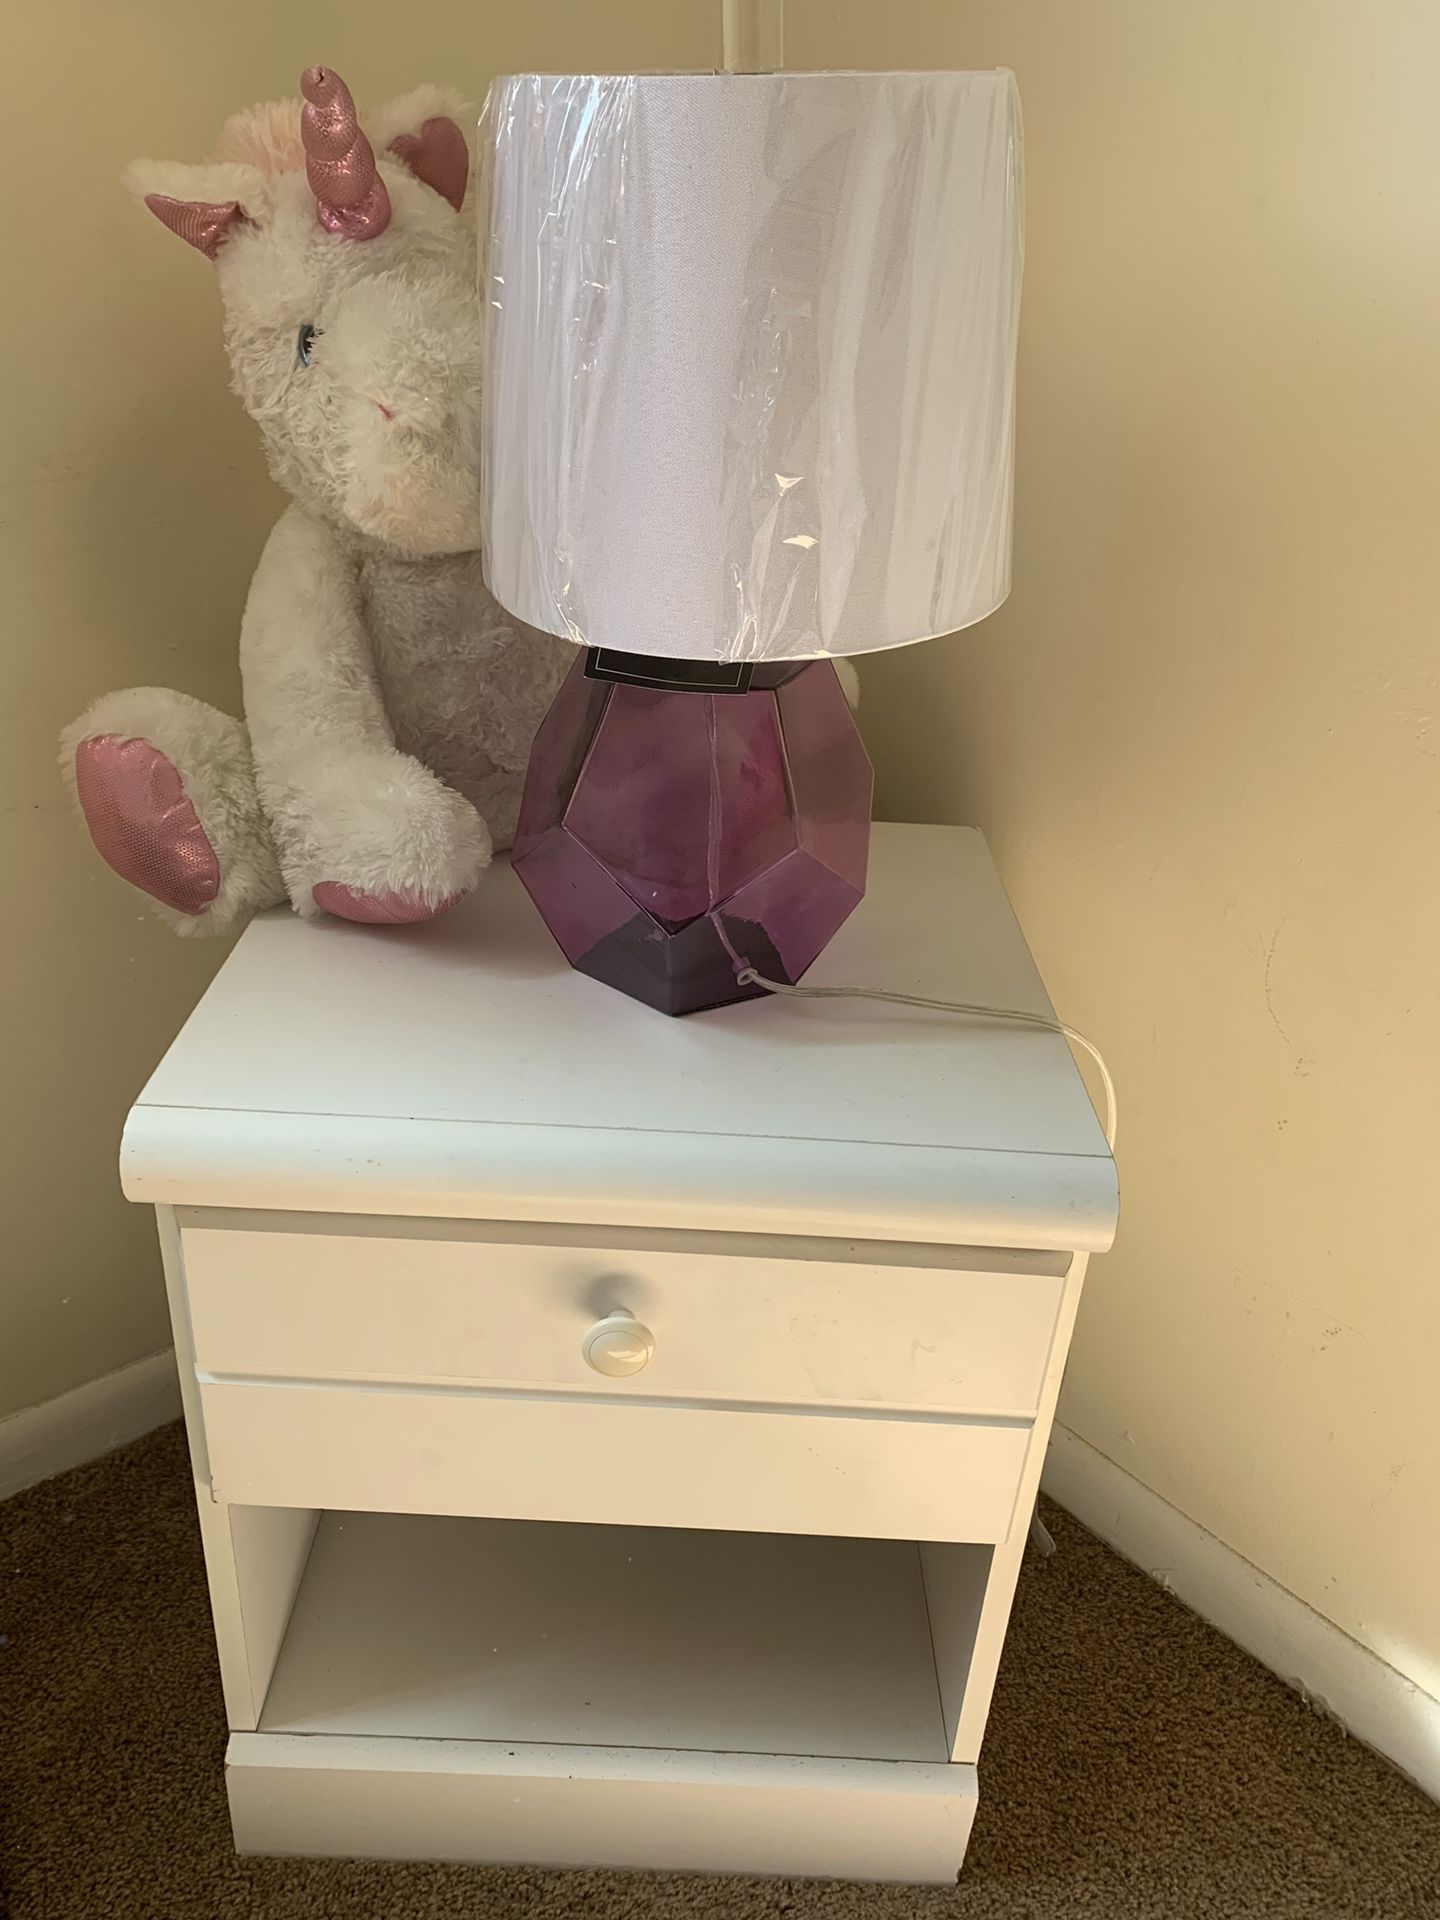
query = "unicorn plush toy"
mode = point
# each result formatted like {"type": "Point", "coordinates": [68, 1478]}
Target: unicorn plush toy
{"type": "Point", "coordinates": [389, 702]}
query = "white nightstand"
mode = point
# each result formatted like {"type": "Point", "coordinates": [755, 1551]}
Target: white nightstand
{"type": "Point", "coordinates": [739, 1606]}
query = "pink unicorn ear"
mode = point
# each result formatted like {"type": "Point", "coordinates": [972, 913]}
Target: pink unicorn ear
{"type": "Point", "coordinates": [202, 224]}
{"type": "Point", "coordinates": [438, 155]}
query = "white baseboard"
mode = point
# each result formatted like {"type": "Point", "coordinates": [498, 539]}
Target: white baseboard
{"type": "Point", "coordinates": [1355, 1686]}
{"type": "Point", "coordinates": [87, 1422]}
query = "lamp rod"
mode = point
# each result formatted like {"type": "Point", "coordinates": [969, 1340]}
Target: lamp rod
{"type": "Point", "coordinates": [752, 36]}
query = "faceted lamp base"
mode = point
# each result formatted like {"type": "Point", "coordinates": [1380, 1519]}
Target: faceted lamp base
{"type": "Point", "coordinates": [671, 839]}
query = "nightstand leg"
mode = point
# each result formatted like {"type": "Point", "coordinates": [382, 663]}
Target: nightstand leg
{"type": "Point", "coordinates": [968, 1619]}
{"type": "Point", "coordinates": [254, 1556]}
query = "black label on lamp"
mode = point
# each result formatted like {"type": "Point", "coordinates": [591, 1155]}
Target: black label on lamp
{"type": "Point", "coordinates": [668, 676]}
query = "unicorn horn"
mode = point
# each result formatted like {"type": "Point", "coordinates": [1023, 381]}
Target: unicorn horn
{"type": "Point", "coordinates": [350, 196]}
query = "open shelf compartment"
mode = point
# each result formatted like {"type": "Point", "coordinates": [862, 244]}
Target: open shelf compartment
{"type": "Point", "coordinates": [430, 1627]}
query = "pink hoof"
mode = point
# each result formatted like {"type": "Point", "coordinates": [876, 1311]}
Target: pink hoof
{"type": "Point", "coordinates": [142, 823]}
{"type": "Point", "coordinates": [401, 908]}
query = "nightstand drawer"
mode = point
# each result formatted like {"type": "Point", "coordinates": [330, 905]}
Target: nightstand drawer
{"type": "Point", "coordinates": [735, 1318]}
{"type": "Point", "coordinates": [504, 1456]}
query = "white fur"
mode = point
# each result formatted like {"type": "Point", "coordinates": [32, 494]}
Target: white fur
{"type": "Point", "coordinates": [345, 803]}
{"type": "Point", "coordinates": [390, 701]}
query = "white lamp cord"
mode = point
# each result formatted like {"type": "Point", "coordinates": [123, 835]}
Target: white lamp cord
{"type": "Point", "coordinates": [748, 976]}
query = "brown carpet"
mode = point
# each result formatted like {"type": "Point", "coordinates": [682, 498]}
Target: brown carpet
{"type": "Point", "coordinates": [1137, 1768]}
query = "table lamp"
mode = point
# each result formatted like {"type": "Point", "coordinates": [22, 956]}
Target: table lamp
{"type": "Point", "coordinates": [749, 411]}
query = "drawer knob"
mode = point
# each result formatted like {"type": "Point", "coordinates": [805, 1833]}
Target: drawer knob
{"type": "Point", "coordinates": [618, 1344]}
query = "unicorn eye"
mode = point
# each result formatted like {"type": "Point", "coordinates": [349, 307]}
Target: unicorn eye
{"type": "Point", "coordinates": [304, 342]}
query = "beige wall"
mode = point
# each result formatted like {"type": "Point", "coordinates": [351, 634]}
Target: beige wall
{"type": "Point", "coordinates": [1201, 736]}
{"type": "Point", "coordinates": [133, 504]}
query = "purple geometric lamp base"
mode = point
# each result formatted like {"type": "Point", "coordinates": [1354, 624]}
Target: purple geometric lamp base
{"type": "Point", "coordinates": [673, 838]}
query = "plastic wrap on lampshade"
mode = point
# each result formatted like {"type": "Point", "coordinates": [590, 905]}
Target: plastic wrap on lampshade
{"type": "Point", "coordinates": [751, 357]}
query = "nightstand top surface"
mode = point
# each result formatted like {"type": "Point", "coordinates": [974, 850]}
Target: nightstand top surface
{"type": "Point", "coordinates": [462, 1069]}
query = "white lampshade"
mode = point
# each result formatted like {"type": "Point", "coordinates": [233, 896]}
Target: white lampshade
{"type": "Point", "coordinates": [751, 357]}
